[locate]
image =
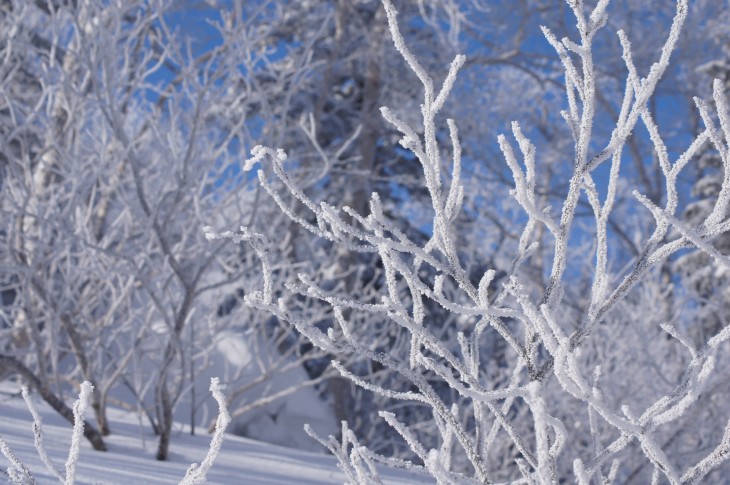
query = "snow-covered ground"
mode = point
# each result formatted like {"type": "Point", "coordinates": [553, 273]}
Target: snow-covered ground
{"type": "Point", "coordinates": [130, 459]}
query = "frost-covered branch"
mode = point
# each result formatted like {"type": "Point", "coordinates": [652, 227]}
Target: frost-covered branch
{"type": "Point", "coordinates": [19, 473]}
{"type": "Point", "coordinates": [197, 473]}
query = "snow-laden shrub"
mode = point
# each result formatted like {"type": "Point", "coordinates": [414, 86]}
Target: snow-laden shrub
{"type": "Point", "coordinates": [553, 402]}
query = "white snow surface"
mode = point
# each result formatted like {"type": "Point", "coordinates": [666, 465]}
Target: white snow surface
{"type": "Point", "coordinates": [279, 422]}
{"type": "Point", "coordinates": [131, 449]}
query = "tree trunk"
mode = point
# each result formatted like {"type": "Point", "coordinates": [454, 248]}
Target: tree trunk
{"type": "Point", "coordinates": [165, 424]}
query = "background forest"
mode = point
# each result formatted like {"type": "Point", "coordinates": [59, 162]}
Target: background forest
{"type": "Point", "coordinates": [540, 295]}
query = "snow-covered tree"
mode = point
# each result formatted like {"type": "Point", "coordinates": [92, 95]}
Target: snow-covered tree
{"type": "Point", "coordinates": [119, 139]}
{"type": "Point", "coordinates": [562, 401]}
